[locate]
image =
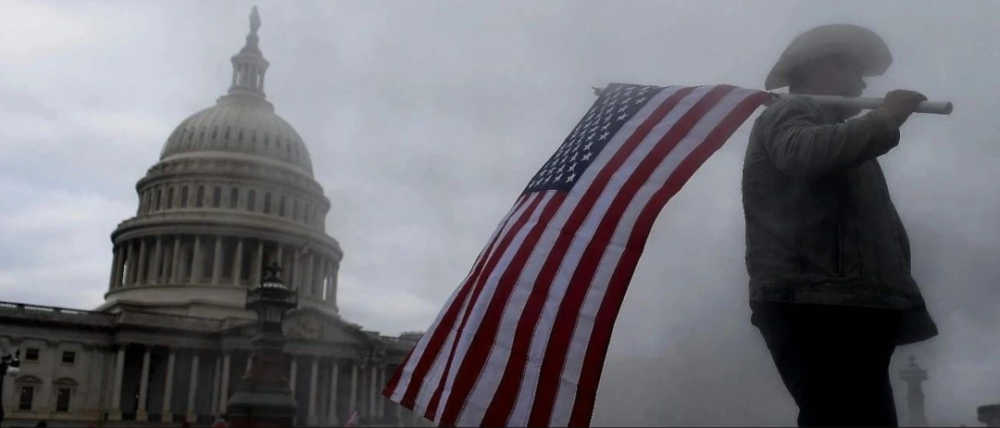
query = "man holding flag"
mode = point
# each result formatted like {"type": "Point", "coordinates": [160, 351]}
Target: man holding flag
{"type": "Point", "coordinates": [523, 339]}
{"type": "Point", "coordinates": [827, 255]}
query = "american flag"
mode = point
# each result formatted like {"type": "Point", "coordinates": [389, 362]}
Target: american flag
{"type": "Point", "coordinates": [352, 421]}
{"type": "Point", "coordinates": [303, 251]}
{"type": "Point", "coordinates": [522, 341]}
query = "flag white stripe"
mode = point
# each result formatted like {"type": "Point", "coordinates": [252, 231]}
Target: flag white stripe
{"type": "Point", "coordinates": [602, 278]}
{"type": "Point", "coordinates": [433, 379]}
{"type": "Point", "coordinates": [543, 328]}
{"type": "Point", "coordinates": [486, 387]}
{"type": "Point", "coordinates": [427, 388]}
{"type": "Point", "coordinates": [418, 351]}
{"type": "Point", "coordinates": [479, 310]}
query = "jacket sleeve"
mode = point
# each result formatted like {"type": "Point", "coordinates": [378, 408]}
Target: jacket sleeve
{"type": "Point", "coordinates": [800, 143]}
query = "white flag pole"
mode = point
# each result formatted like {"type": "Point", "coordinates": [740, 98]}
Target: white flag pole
{"type": "Point", "coordinates": [931, 107]}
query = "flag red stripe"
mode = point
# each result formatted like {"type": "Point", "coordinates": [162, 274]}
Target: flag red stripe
{"type": "Point", "coordinates": [483, 342]}
{"type": "Point", "coordinates": [503, 401]}
{"type": "Point", "coordinates": [476, 290]}
{"type": "Point", "coordinates": [440, 333]}
{"type": "Point", "coordinates": [569, 309]}
{"type": "Point", "coordinates": [593, 364]}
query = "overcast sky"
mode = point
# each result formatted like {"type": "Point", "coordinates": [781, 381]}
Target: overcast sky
{"type": "Point", "coordinates": [425, 120]}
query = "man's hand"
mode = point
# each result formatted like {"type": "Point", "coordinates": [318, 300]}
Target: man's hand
{"type": "Point", "coordinates": [901, 104]}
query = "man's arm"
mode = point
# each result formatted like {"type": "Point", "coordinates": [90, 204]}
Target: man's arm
{"type": "Point", "coordinates": [799, 143]}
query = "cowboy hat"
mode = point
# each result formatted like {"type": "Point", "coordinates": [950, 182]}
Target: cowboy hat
{"type": "Point", "coordinates": [826, 40]}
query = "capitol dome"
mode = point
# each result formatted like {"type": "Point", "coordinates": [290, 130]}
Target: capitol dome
{"type": "Point", "coordinates": [242, 122]}
{"type": "Point", "coordinates": [242, 125]}
{"type": "Point", "coordinates": [233, 191]}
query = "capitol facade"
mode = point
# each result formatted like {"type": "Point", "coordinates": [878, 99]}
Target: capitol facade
{"type": "Point", "coordinates": [233, 190]}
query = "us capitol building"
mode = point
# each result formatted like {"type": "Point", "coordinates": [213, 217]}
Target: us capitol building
{"type": "Point", "coordinates": [232, 191]}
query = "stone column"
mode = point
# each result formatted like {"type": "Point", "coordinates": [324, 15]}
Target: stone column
{"type": "Point", "coordinates": [313, 381]}
{"type": "Point", "coordinates": [333, 284]}
{"type": "Point", "coordinates": [120, 270]}
{"type": "Point", "coordinates": [258, 265]}
{"type": "Point", "coordinates": [353, 401]}
{"type": "Point", "coordinates": [307, 279]}
{"type": "Point", "coordinates": [322, 274]}
{"type": "Point", "coordinates": [372, 375]}
{"type": "Point", "coordinates": [224, 386]}
{"type": "Point", "coordinates": [196, 261]}
{"type": "Point", "coordinates": [213, 405]}
{"type": "Point", "coordinates": [168, 390]}
{"type": "Point", "coordinates": [131, 264]}
{"type": "Point", "coordinates": [193, 388]}
{"type": "Point", "coordinates": [281, 256]}
{"type": "Point", "coordinates": [217, 262]}
{"type": "Point", "coordinates": [140, 277]}
{"type": "Point", "coordinates": [293, 375]}
{"type": "Point", "coordinates": [331, 418]}
{"type": "Point", "coordinates": [157, 262]}
{"type": "Point", "coordinates": [238, 262]}
{"type": "Point", "coordinates": [293, 276]}
{"type": "Point", "coordinates": [319, 278]}
{"type": "Point", "coordinates": [378, 387]}
{"type": "Point", "coordinates": [114, 268]}
{"type": "Point", "coordinates": [175, 261]}
{"type": "Point", "coordinates": [141, 414]}
{"type": "Point", "coordinates": [116, 399]}
{"type": "Point", "coordinates": [330, 292]}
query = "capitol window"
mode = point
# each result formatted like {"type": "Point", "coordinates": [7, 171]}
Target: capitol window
{"type": "Point", "coordinates": [234, 197]}
{"type": "Point", "coordinates": [27, 397]}
{"type": "Point", "coordinates": [64, 389]}
{"type": "Point", "coordinates": [217, 197]}
{"type": "Point", "coordinates": [27, 386]}
{"type": "Point", "coordinates": [62, 399]}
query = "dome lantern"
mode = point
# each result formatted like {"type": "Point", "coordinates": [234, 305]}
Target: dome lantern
{"type": "Point", "coordinates": [249, 65]}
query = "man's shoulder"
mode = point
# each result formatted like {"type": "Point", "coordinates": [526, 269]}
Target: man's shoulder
{"type": "Point", "coordinates": [793, 103]}
{"type": "Point", "coordinates": [788, 107]}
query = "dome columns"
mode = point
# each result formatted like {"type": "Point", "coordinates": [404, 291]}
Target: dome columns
{"type": "Point", "coordinates": [213, 260]}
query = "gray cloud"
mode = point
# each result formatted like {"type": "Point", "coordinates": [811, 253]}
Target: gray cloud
{"type": "Point", "coordinates": [425, 120]}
